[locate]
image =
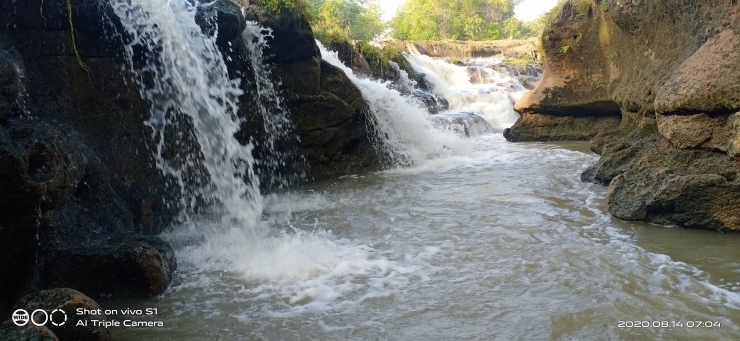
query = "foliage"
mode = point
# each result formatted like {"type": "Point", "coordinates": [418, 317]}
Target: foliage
{"type": "Point", "coordinates": [521, 62]}
{"type": "Point", "coordinates": [452, 19]}
{"type": "Point", "coordinates": [343, 20]}
{"type": "Point", "coordinates": [512, 27]}
{"type": "Point", "coordinates": [374, 55]}
{"type": "Point", "coordinates": [297, 7]}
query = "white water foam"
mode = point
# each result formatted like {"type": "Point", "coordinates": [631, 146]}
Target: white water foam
{"type": "Point", "coordinates": [405, 131]}
{"type": "Point", "coordinates": [186, 79]}
{"type": "Point", "coordinates": [493, 101]}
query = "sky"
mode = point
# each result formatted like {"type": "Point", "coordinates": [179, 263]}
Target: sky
{"type": "Point", "coordinates": [528, 10]}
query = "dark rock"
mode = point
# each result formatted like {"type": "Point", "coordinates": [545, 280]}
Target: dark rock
{"type": "Point", "coordinates": [345, 52]}
{"type": "Point", "coordinates": [129, 265]}
{"type": "Point", "coordinates": [426, 100]}
{"type": "Point", "coordinates": [328, 110]}
{"type": "Point", "coordinates": [423, 83]}
{"type": "Point", "coordinates": [75, 168]}
{"type": "Point", "coordinates": [651, 180]}
{"type": "Point", "coordinates": [293, 38]}
{"type": "Point", "coordinates": [11, 65]}
{"type": "Point", "coordinates": [360, 65]}
{"type": "Point", "coordinates": [29, 332]}
{"type": "Point", "coordinates": [532, 71]}
{"type": "Point", "coordinates": [67, 300]}
{"type": "Point", "coordinates": [442, 103]}
{"type": "Point", "coordinates": [221, 17]}
{"type": "Point", "coordinates": [528, 82]}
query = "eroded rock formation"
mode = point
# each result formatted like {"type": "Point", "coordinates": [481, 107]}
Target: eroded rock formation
{"type": "Point", "coordinates": [655, 84]}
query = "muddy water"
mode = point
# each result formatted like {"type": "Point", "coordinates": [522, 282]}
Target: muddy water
{"type": "Point", "coordinates": [502, 244]}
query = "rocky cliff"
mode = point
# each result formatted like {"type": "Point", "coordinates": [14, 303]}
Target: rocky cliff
{"type": "Point", "coordinates": [655, 84]}
{"type": "Point", "coordinates": [80, 194]}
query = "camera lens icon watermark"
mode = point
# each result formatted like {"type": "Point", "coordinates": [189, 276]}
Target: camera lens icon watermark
{"type": "Point", "coordinates": [57, 317]}
{"type": "Point", "coordinates": [20, 317]}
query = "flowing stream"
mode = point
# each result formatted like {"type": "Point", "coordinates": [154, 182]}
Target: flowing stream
{"type": "Point", "coordinates": [465, 238]}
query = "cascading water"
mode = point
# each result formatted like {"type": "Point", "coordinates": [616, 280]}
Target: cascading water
{"type": "Point", "coordinates": [492, 100]}
{"type": "Point", "coordinates": [481, 239]}
{"type": "Point", "coordinates": [280, 137]}
{"type": "Point", "coordinates": [186, 80]}
{"type": "Point", "coordinates": [405, 133]}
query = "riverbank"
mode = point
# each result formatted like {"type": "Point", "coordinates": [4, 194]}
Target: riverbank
{"type": "Point", "coordinates": [653, 87]}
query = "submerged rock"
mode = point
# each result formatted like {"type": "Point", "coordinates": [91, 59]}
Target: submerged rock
{"type": "Point", "coordinates": [426, 100]}
{"type": "Point", "coordinates": [465, 124]}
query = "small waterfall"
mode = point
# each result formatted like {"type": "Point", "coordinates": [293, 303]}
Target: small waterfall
{"type": "Point", "coordinates": [182, 73]}
{"type": "Point", "coordinates": [492, 98]}
{"type": "Point", "coordinates": [281, 138]}
{"type": "Point", "coordinates": [229, 243]}
{"type": "Point", "coordinates": [406, 133]}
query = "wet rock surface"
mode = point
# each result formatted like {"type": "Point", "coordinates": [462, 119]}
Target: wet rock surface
{"type": "Point", "coordinates": [667, 71]}
{"type": "Point", "coordinates": [81, 193]}
{"type": "Point", "coordinates": [68, 301]}
{"type": "Point", "coordinates": [222, 18]}
{"type": "Point", "coordinates": [327, 109]}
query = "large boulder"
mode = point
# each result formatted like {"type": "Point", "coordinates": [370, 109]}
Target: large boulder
{"type": "Point", "coordinates": [75, 167]}
{"type": "Point", "coordinates": [667, 71]}
{"type": "Point", "coordinates": [327, 109]}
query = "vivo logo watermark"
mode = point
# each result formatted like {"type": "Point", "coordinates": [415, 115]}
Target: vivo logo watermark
{"type": "Point", "coordinates": [39, 317]}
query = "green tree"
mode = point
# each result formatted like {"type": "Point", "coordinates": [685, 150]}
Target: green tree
{"type": "Point", "coordinates": [335, 20]}
{"type": "Point", "coordinates": [512, 27]}
{"type": "Point", "coordinates": [451, 19]}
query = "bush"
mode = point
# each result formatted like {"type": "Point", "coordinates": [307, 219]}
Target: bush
{"type": "Point", "coordinates": [297, 7]}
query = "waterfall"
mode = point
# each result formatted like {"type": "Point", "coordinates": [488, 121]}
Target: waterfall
{"type": "Point", "coordinates": [493, 100]}
{"type": "Point", "coordinates": [280, 138]}
{"type": "Point", "coordinates": [405, 132]}
{"type": "Point", "coordinates": [183, 75]}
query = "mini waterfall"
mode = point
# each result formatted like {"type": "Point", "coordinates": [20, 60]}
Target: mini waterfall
{"type": "Point", "coordinates": [406, 134]}
{"type": "Point", "coordinates": [182, 73]}
{"type": "Point", "coordinates": [491, 98]}
{"type": "Point", "coordinates": [280, 136]}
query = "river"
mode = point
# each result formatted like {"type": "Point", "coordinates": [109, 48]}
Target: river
{"type": "Point", "coordinates": [466, 238]}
